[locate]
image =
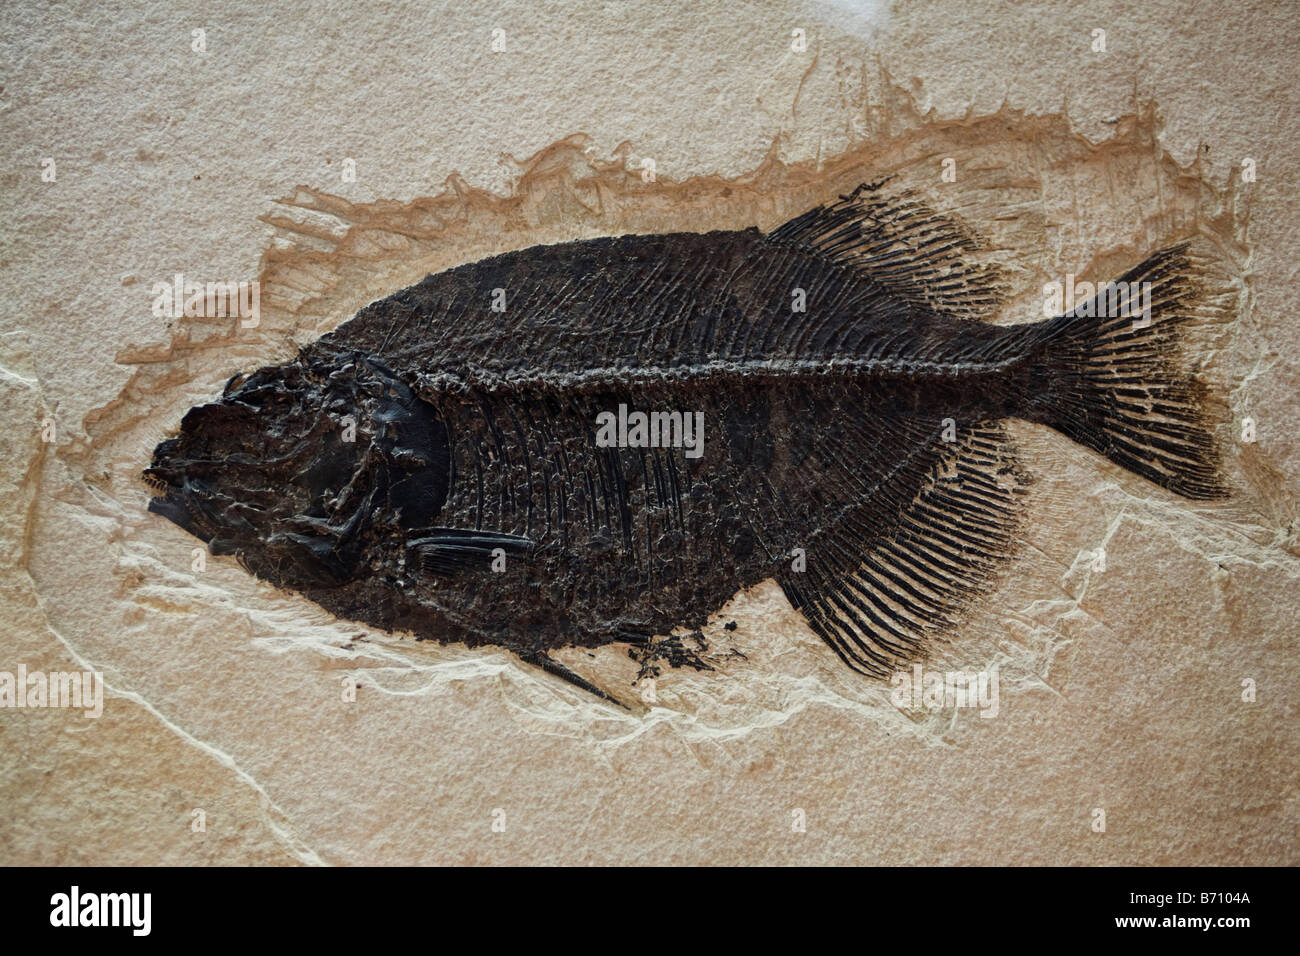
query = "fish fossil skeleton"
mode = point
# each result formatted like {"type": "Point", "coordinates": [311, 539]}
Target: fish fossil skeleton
{"type": "Point", "coordinates": [433, 465]}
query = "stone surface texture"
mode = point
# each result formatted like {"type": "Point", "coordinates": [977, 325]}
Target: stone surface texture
{"type": "Point", "coordinates": [1121, 689]}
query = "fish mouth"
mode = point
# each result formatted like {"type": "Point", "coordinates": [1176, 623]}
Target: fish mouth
{"type": "Point", "coordinates": [290, 550]}
{"type": "Point", "coordinates": [182, 502]}
{"type": "Point", "coordinates": [199, 488]}
{"type": "Point", "coordinates": [169, 500]}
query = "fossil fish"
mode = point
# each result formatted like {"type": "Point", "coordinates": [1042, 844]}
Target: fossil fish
{"type": "Point", "coordinates": [602, 441]}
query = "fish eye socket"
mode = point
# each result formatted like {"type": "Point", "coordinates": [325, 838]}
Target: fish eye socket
{"type": "Point", "coordinates": [330, 467]}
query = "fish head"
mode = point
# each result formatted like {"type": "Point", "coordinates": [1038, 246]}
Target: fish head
{"type": "Point", "coordinates": [308, 472]}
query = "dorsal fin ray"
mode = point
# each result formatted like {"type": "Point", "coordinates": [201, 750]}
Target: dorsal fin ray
{"type": "Point", "coordinates": [896, 239]}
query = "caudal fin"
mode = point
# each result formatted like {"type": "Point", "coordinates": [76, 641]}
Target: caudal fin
{"type": "Point", "coordinates": [1111, 378]}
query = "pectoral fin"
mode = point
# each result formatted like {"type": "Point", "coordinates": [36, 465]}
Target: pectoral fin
{"type": "Point", "coordinates": [449, 551]}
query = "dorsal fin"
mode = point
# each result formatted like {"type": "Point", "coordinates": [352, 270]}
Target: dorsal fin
{"type": "Point", "coordinates": [897, 240]}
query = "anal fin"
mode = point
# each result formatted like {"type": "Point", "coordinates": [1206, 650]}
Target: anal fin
{"type": "Point", "coordinates": [901, 569]}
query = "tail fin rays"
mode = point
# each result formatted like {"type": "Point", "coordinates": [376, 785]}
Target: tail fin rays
{"type": "Point", "coordinates": [1112, 380]}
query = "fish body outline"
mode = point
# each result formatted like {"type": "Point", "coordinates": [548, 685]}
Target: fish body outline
{"type": "Point", "coordinates": [852, 401]}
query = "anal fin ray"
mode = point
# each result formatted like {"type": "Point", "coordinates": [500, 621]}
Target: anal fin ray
{"type": "Point", "coordinates": [879, 598]}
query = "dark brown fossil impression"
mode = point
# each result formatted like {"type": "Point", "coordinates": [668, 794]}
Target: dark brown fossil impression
{"type": "Point", "coordinates": [603, 440]}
